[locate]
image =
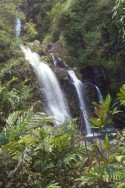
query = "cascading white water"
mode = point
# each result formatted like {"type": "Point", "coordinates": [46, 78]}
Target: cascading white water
{"type": "Point", "coordinates": [18, 28]}
{"type": "Point", "coordinates": [56, 104]}
{"type": "Point", "coordinates": [54, 59]}
{"type": "Point", "coordinates": [99, 94]}
{"type": "Point", "coordinates": [79, 89]}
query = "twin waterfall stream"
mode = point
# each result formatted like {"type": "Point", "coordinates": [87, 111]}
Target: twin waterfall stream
{"type": "Point", "coordinates": [56, 103]}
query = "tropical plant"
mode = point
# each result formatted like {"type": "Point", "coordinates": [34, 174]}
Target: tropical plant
{"type": "Point", "coordinates": [104, 113]}
{"type": "Point", "coordinates": [121, 95]}
{"type": "Point", "coordinates": [36, 154]}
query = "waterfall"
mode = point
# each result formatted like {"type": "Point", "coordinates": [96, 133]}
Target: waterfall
{"type": "Point", "coordinates": [79, 89]}
{"type": "Point", "coordinates": [18, 28]}
{"type": "Point", "coordinates": [99, 94]}
{"type": "Point", "coordinates": [56, 104]}
{"type": "Point", "coordinates": [54, 59]}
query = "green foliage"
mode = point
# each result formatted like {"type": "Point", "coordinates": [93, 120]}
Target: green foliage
{"type": "Point", "coordinates": [47, 155]}
{"type": "Point", "coordinates": [104, 113]}
{"type": "Point", "coordinates": [15, 85]}
{"type": "Point", "coordinates": [53, 185]}
{"type": "Point", "coordinates": [30, 32]}
{"type": "Point", "coordinates": [47, 39]}
{"type": "Point", "coordinates": [119, 15]}
{"type": "Point", "coordinates": [121, 95]}
{"type": "Point", "coordinates": [35, 154]}
{"type": "Point", "coordinates": [39, 155]}
{"type": "Point", "coordinates": [104, 170]}
{"type": "Point", "coordinates": [87, 30]}
{"type": "Point", "coordinates": [121, 185]}
{"type": "Point", "coordinates": [15, 94]}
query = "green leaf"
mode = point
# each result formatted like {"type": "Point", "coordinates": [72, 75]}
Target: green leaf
{"type": "Point", "coordinates": [106, 103]}
{"type": "Point", "coordinates": [121, 185]}
{"type": "Point", "coordinates": [121, 95]}
{"type": "Point", "coordinates": [120, 158]}
{"type": "Point", "coordinates": [53, 185]}
{"type": "Point", "coordinates": [106, 142]}
{"type": "Point", "coordinates": [96, 122]}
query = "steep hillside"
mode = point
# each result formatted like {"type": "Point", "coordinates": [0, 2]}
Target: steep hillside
{"type": "Point", "coordinates": [87, 30]}
{"type": "Point", "coordinates": [58, 60]}
{"type": "Point", "coordinates": [16, 81]}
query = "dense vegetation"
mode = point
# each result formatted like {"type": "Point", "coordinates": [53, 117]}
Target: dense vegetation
{"type": "Point", "coordinates": [92, 33]}
{"type": "Point", "coordinates": [32, 152]}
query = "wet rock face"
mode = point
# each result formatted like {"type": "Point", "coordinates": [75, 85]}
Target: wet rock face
{"type": "Point", "coordinates": [99, 75]}
{"type": "Point", "coordinates": [59, 53]}
{"type": "Point", "coordinates": [61, 64]}
{"type": "Point", "coordinates": [95, 75]}
{"type": "Point", "coordinates": [87, 74]}
{"type": "Point", "coordinates": [71, 96]}
{"type": "Point", "coordinates": [69, 90]}
{"type": "Point", "coordinates": [30, 8]}
{"type": "Point", "coordinates": [90, 95]}
{"type": "Point", "coordinates": [61, 73]}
